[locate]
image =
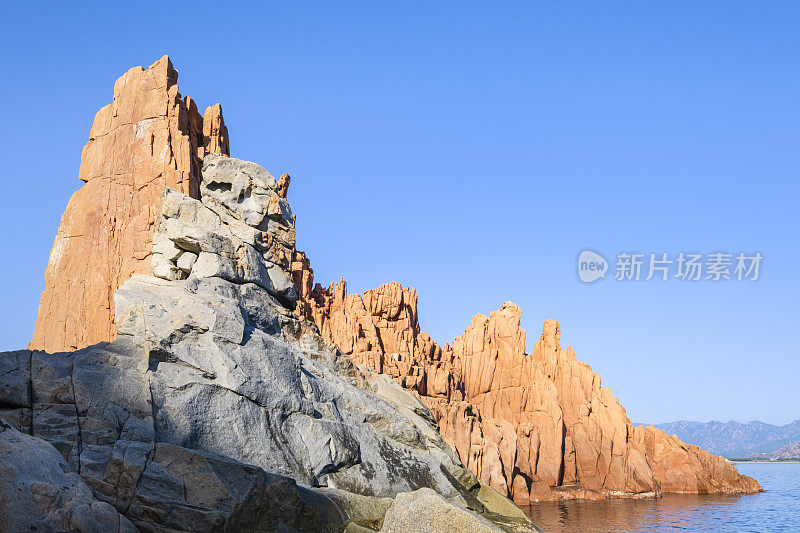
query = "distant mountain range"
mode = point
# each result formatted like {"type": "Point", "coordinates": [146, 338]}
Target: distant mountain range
{"type": "Point", "coordinates": [734, 439]}
{"type": "Point", "coordinates": [790, 451]}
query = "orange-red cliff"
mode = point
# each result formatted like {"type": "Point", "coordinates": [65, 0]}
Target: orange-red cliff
{"type": "Point", "coordinates": [147, 138]}
{"type": "Point", "coordinates": [533, 426]}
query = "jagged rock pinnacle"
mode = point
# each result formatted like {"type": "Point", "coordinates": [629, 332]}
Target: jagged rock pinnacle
{"type": "Point", "coordinates": [147, 138]}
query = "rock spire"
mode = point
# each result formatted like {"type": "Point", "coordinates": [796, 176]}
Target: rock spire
{"type": "Point", "coordinates": [147, 138]}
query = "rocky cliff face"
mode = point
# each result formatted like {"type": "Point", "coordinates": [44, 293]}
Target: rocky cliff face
{"type": "Point", "coordinates": [191, 396]}
{"type": "Point", "coordinates": [147, 138]}
{"type": "Point", "coordinates": [216, 407]}
{"type": "Point", "coordinates": [533, 426]}
{"type": "Point", "coordinates": [208, 405]}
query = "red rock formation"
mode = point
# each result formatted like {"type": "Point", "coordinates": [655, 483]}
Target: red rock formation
{"type": "Point", "coordinates": [147, 138]}
{"type": "Point", "coordinates": [283, 185]}
{"type": "Point", "coordinates": [533, 426]}
{"type": "Point", "coordinates": [681, 467]}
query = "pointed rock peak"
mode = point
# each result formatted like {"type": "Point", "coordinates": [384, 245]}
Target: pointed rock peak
{"type": "Point", "coordinates": [551, 335]}
{"type": "Point", "coordinates": [163, 69]}
{"type": "Point", "coordinates": [149, 137]}
{"type": "Point", "coordinates": [283, 185]}
{"type": "Point", "coordinates": [161, 75]}
{"type": "Point", "coordinates": [215, 133]}
{"type": "Point", "coordinates": [508, 311]}
{"type": "Point", "coordinates": [478, 320]}
{"type": "Point", "coordinates": [339, 290]}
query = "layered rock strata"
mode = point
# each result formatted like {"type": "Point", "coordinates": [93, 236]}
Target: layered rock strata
{"type": "Point", "coordinates": [532, 426]}
{"type": "Point", "coordinates": [216, 407]}
{"type": "Point", "coordinates": [147, 138]}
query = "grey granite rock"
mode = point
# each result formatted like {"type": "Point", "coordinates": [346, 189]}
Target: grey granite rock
{"type": "Point", "coordinates": [218, 408]}
{"type": "Point", "coordinates": [39, 491]}
{"type": "Point", "coordinates": [425, 511]}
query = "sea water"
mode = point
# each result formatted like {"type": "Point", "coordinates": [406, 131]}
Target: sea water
{"type": "Point", "coordinates": [777, 509]}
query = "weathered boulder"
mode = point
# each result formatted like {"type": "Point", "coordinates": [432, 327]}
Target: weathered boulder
{"type": "Point", "coordinates": [38, 491]}
{"type": "Point", "coordinates": [147, 138]}
{"type": "Point", "coordinates": [424, 511]}
{"type": "Point", "coordinates": [531, 426]}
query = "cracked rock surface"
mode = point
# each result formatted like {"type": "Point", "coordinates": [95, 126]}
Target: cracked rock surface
{"type": "Point", "coordinates": [533, 426]}
{"type": "Point", "coordinates": [149, 137]}
{"type": "Point", "coordinates": [216, 407]}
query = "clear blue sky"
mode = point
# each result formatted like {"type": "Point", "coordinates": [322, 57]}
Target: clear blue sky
{"type": "Point", "coordinates": [471, 151]}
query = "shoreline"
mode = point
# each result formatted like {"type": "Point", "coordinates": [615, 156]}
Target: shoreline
{"type": "Point", "coordinates": [761, 461]}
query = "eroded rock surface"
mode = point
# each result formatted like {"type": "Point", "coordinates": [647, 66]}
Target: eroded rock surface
{"type": "Point", "coordinates": [424, 511]}
{"type": "Point", "coordinates": [37, 484]}
{"type": "Point", "coordinates": [216, 407]}
{"type": "Point", "coordinates": [532, 426]}
{"type": "Point", "coordinates": [147, 138]}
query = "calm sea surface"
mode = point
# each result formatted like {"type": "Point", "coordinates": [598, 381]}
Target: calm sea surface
{"type": "Point", "coordinates": [778, 509]}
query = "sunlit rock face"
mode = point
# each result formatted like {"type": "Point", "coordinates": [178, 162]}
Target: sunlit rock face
{"type": "Point", "coordinates": [532, 426]}
{"type": "Point", "coordinates": [207, 383]}
{"type": "Point", "coordinates": [216, 407]}
{"type": "Point", "coordinates": [147, 138]}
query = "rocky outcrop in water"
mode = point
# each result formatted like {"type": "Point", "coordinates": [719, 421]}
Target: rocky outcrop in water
{"type": "Point", "coordinates": [147, 138]}
{"type": "Point", "coordinates": [532, 426]}
{"type": "Point", "coordinates": [216, 407]}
